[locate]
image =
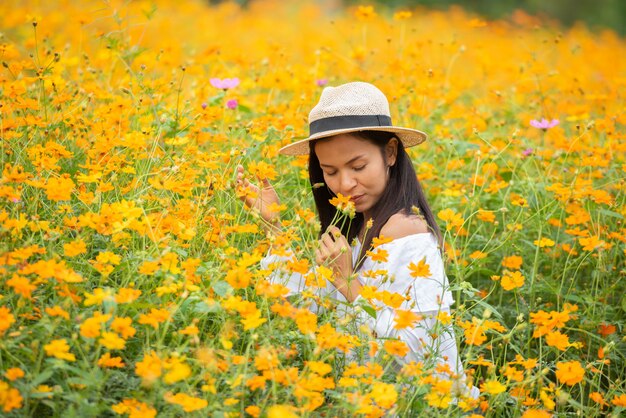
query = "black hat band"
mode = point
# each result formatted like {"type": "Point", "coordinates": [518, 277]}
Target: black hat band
{"type": "Point", "coordinates": [348, 122]}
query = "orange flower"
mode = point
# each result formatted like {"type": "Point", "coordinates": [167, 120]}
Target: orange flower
{"type": "Point", "coordinates": [619, 400]}
{"type": "Point", "coordinates": [512, 280]}
{"type": "Point", "coordinates": [6, 319]}
{"type": "Point", "coordinates": [189, 403]}
{"type": "Point", "coordinates": [57, 311]}
{"type": "Point", "coordinates": [14, 373]}
{"type": "Point", "coordinates": [343, 204]}
{"type": "Point", "coordinates": [421, 269]}
{"type": "Point", "coordinates": [404, 319]}
{"type": "Point", "coordinates": [107, 361]}
{"type": "Point", "coordinates": [60, 188]}
{"type": "Point", "coordinates": [74, 248]}
{"type": "Point", "coordinates": [569, 372]}
{"type": "Point", "coordinates": [558, 340]}
{"type": "Point", "coordinates": [150, 368]}
{"type": "Point", "coordinates": [512, 262]}
{"type": "Point", "coordinates": [606, 329]}
{"type": "Point", "coordinates": [396, 348]}
{"type": "Point", "coordinates": [536, 413]}
{"type": "Point", "coordinates": [21, 285]}
{"type": "Point", "coordinates": [591, 243]}
{"type": "Point", "coordinates": [127, 295]}
{"type": "Point", "coordinates": [238, 278]}
{"type": "Point", "coordinates": [154, 318]}
{"type": "Point", "coordinates": [378, 256]}
{"type": "Point", "coordinates": [10, 398]}
{"type": "Point", "coordinates": [134, 409]}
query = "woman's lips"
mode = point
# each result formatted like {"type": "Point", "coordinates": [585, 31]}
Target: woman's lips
{"type": "Point", "coordinates": [356, 199]}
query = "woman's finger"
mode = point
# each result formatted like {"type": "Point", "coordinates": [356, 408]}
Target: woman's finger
{"type": "Point", "coordinates": [327, 240]}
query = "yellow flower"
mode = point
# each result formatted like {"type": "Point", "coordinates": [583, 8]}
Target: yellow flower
{"type": "Point", "coordinates": [281, 411]}
{"type": "Point", "coordinates": [59, 349]}
{"type": "Point", "coordinates": [451, 218]}
{"type": "Point", "coordinates": [112, 341]}
{"type": "Point", "coordinates": [384, 394]}
{"type": "Point", "coordinates": [402, 15]}
{"type": "Point", "coordinates": [177, 370]}
{"type": "Point", "coordinates": [365, 12]}
{"type": "Point", "coordinates": [492, 387]}
{"type": "Point", "coordinates": [134, 409]}
{"type": "Point", "coordinates": [544, 242]}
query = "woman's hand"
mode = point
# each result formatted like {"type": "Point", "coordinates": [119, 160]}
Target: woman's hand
{"type": "Point", "coordinates": [334, 252]}
{"type": "Point", "coordinates": [261, 199]}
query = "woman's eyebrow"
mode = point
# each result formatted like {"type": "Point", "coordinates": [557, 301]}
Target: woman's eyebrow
{"type": "Point", "coordinates": [349, 162]}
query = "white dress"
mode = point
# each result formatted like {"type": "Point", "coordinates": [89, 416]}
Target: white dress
{"type": "Point", "coordinates": [427, 296]}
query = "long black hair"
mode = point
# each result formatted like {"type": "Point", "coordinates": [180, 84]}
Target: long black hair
{"type": "Point", "coordinates": [402, 194]}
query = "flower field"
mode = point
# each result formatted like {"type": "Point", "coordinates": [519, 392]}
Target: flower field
{"type": "Point", "coordinates": [130, 282]}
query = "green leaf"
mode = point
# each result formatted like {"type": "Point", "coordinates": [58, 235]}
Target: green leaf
{"type": "Point", "coordinates": [41, 378]}
{"type": "Point", "coordinates": [370, 311]}
{"type": "Point", "coordinates": [610, 213]}
{"type": "Point", "coordinates": [221, 288]}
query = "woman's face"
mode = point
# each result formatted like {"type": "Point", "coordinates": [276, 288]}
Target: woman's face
{"type": "Point", "coordinates": [355, 167]}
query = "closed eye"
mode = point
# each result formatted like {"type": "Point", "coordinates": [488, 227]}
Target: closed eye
{"type": "Point", "coordinates": [359, 168]}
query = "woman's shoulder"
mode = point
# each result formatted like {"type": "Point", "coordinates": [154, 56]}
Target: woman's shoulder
{"type": "Point", "coordinates": [400, 225]}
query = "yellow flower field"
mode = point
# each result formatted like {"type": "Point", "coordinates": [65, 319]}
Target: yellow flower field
{"type": "Point", "coordinates": [130, 280]}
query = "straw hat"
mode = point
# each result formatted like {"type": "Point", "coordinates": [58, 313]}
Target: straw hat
{"type": "Point", "coordinates": [351, 107]}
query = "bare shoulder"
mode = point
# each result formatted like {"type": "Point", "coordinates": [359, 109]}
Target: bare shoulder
{"type": "Point", "coordinates": [400, 225]}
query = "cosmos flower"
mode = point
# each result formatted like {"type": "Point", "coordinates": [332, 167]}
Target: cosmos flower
{"type": "Point", "coordinates": [544, 124]}
{"type": "Point", "coordinates": [224, 83]}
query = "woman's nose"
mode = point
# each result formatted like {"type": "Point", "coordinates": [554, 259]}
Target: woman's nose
{"type": "Point", "coordinates": [347, 183]}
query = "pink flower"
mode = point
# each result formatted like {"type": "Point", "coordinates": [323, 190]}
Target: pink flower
{"type": "Point", "coordinates": [527, 152]}
{"type": "Point", "coordinates": [321, 82]}
{"type": "Point", "coordinates": [225, 83]}
{"type": "Point", "coordinates": [232, 104]}
{"type": "Point", "coordinates": [544, 123]}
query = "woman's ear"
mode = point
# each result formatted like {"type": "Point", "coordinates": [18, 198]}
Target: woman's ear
{"type": "Point", "coordinates": [391, 151]}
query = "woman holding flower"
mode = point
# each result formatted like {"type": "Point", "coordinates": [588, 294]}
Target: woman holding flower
{"type": "Point", "coordinates": [388, 253]}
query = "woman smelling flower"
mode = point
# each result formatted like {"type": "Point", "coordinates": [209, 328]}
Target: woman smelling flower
{"type": "Point", "coordinates": [388, 253]}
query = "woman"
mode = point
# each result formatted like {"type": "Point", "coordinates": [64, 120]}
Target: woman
{"type": "Point", "coordinates": [355, 151]}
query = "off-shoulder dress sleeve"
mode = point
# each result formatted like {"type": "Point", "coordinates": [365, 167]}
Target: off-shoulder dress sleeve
{"type": "Point", "coordinates": [426, 295]}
